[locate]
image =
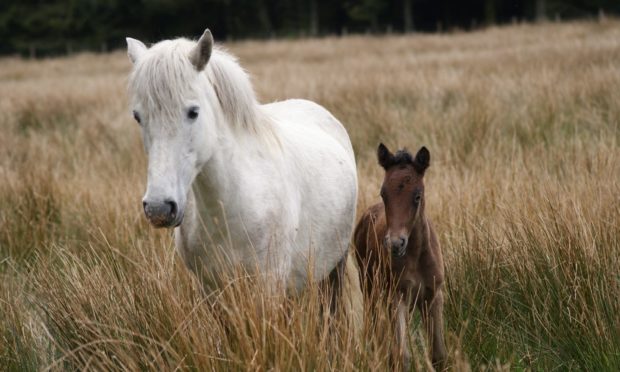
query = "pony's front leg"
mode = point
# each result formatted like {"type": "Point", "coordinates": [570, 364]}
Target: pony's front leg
{"type": "Point", "coordinates": [400, 349]}
{"type": "Point", "coordinates": [432, 317]}
{"type": "Point", "coordinates": [332, 285]}
{"type": "Point", "coordinates": [282, 282]}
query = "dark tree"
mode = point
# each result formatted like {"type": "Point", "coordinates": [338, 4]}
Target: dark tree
{"type": "Point", "coordinates": [38, 27]}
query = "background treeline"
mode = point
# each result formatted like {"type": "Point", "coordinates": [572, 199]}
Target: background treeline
{"type": "Point", "coordinates": [38, 27]}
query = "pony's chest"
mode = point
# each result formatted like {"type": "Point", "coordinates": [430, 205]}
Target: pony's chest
{"type": "Point", "coordinates": [243, 228]}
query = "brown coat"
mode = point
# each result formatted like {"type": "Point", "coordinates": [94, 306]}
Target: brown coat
{"type": "Point", "coordinates": [399, 254]}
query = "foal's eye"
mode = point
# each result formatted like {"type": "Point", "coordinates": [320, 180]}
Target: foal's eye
{"type": "Point", "coordinates": [417, 199]}
{"type": "Point", "coordinates": [136, 116]}
{"type": "Point", "coordinates": [192, 113]}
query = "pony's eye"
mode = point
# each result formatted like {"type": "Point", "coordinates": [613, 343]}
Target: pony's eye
{"type": "Point", "coordinates": [192, 113]}
{"type": "Point", "coordinates": [136, 116]}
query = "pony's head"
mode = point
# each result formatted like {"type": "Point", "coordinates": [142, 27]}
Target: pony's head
{"type": "Point", "coordinates": [403, 194]}
{"type": "Point", "coordinates": [173, 104]}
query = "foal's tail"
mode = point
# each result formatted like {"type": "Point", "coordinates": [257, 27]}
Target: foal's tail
{"type": "Point", "coordinates": [352, 295]}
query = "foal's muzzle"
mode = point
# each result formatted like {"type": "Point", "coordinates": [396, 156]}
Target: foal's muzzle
{"type": "Point", "coordinates": [397, 245]}
{"type": "Point", "coordinates": [162, 214]}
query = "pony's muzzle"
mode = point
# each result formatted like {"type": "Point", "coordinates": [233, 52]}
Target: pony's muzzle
{"type": "Point", "coordinates": [162, 214]}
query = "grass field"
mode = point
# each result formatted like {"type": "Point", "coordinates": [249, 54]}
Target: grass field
{"type": "Point", "coordinates": [523, 125]}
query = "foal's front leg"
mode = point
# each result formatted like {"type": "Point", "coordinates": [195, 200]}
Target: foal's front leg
{"type": "Point", "coordinates": [400, 349]}
{"type": "Point", "coordinates": [432, 316]}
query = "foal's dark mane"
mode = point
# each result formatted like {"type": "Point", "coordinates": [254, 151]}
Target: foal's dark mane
{"type": "Point", "coordinates": [401, 157]}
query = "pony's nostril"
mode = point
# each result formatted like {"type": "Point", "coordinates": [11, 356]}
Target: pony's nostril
{"type": "Point", "coordinates": [402, 242]}
{"type": "Point", "coordinates": [173, 207]}
{"type": "Point", "coordinates": [144, 205]}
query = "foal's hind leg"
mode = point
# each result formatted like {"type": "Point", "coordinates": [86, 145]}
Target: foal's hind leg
{"type": "Point", "coordinates": [432, 317]}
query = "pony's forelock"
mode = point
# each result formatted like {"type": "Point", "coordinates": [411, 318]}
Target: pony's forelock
{"type": "Point", "coordinates": [163, 80]}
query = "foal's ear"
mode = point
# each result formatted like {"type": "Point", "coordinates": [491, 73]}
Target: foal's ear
{"type": "Point", "coordinates": [422, 160]}
{"type": "Point", "coordinates": [135, 49]}
{"type": "Point", "coordinates": [199, 56]}
{"type": "Point", "coordinates": [384, 156]}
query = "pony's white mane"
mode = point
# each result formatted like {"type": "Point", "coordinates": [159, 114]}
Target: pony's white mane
{"type": "Point", "coordinates": [164, 78]}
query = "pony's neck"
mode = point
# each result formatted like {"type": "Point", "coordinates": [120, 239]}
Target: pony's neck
{"type": "Point", "coordinates": [217, 178]}
{"type": "Point", "coordinates": [244, 134]}
{"type": "Point", "coordinates": [217, 188]}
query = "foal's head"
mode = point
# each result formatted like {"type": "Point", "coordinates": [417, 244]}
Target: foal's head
{"type": "Point", "coordinates": [403, 194]}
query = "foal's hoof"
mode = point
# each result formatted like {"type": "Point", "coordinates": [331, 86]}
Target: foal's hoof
{"type": "Point", "coordinates": [439, 364]}
{"type": "Point", "coordinates": [407, 364]}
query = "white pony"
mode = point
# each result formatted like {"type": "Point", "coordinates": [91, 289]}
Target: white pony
{"type": "Point", "coordinates": [269, 187]}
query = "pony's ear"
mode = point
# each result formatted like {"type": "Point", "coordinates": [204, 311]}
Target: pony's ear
{"type": "Point", "coordinates": [199, 56]}
{"type": "Point", "coordinates": [135, 49]}
{"type": "Point", "coordinates": [384, 156]}
{"type": "Point", "coordinates": [422, 160]}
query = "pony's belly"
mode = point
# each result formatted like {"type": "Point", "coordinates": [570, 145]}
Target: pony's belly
{"type": "Point", "coordinates": [320, 247]}
{"type": "Point", "coordinates": [327, 219]}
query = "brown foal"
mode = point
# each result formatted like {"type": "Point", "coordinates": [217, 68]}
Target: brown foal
{"type": "Point", "coordinates": [398, 252]}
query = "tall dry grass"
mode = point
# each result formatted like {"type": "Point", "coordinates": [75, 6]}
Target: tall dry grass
{"type": "Point", "coordinates": [523, 127]}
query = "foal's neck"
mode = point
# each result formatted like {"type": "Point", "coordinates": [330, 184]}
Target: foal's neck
{"type": "Point", "coordinates": [419, 235]}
